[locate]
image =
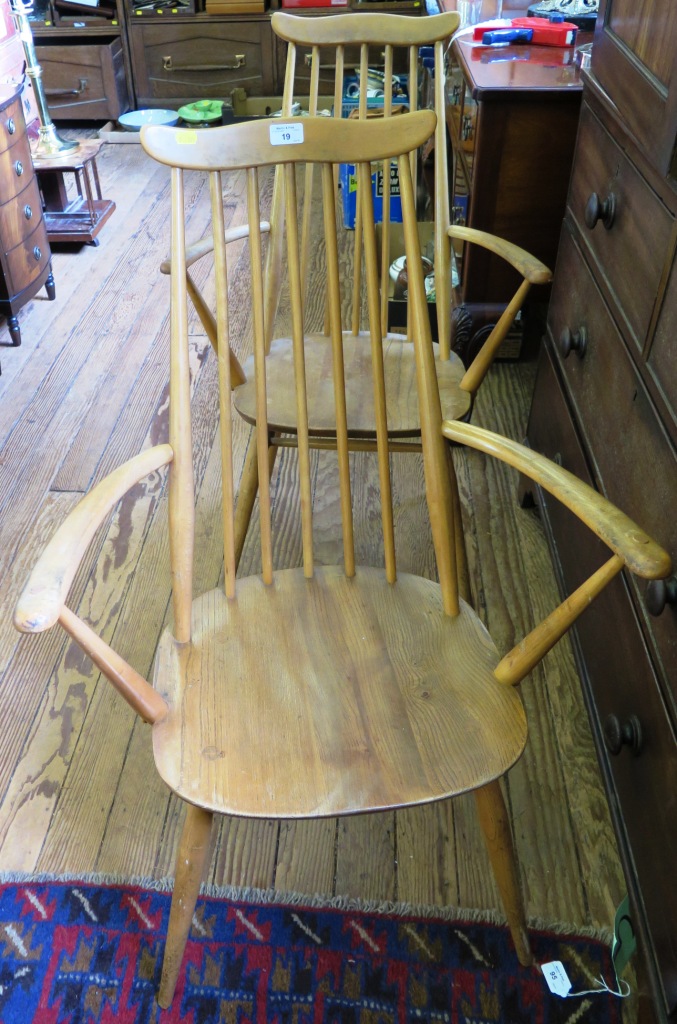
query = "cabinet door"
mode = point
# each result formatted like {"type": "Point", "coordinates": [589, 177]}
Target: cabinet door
{"type": "Point", "coordinates": [634, 61]}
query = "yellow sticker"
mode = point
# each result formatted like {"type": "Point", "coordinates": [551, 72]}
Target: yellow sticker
{"type": "Point", "coordinates": [186, 137]}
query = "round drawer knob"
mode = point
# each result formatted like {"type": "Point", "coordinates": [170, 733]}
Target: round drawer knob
{"type": "Point", "coordinates": [37, 253]}
{"type": "Point", "coordinates": [28, 211]}
{"type": "Point", "coordinates": [619, 734]}
{"type": "Point", "coordinates": [19, 168]}
{"type": "Point", "coordinates": [598, 209]}
{"type": "Point", "coordinates": [573, 341]}
{"type": "Point", "coordinates": [11, 127]}
{"type": "Point", "coordinates": [660, 593]}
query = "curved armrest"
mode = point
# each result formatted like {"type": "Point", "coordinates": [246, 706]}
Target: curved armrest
{"type": "Point", "coordinates": [44, 596]}
{"type": "Point", "coordinates": [528, 266]}
{"type": "Point", "coordinates": [638, 551]}
{"type": "Point", "coordinates": [199, 249]}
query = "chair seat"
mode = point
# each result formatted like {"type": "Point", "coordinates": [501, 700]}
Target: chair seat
{"type": "Point", "coordinates": [331, 695]}
{"type": "Point", "coordinates": [400, 383]}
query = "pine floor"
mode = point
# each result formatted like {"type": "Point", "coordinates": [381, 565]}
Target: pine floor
{"type": "Point", "coordinates": [78, 791]}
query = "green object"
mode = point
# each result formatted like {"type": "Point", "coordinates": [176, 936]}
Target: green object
{"type": "Point", "coordinates": [624, 943]}
{"type": "Point", "coordinates": [201, 112]}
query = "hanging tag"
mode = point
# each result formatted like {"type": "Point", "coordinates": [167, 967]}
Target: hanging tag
{"type": "Point", "coordinates": [286, 134]}
{"type": "Point", "coordinates": [556, 978]}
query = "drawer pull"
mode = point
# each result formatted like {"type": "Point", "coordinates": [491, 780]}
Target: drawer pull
{"type": "Point", "coordinates": [573, 341]}
{"type": "Point", "coordinates": [597, 209]}
{"type": "Point", "coordinates": [28, 211]}
{"type": "Point", "coordinates": [619, 734]}
{"type": "Point", "coordinates": [68, 92]}
{"type": "Point", "coordinates": [37, 253]}
{"type": "Point", "coordinates": [659, 593]}
{"type": "Point", "coordinates": [239, 58]}
{"type": "Point", "coordinates": [11, 127]}
{"type": "Point", "coordinates": [19, 168]}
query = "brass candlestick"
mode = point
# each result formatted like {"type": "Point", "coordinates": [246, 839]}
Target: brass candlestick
{"type": "Point", "coordinates": [50, 144]}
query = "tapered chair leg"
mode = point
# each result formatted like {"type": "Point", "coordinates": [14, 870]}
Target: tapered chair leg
{"type": "Point", "coordinates": [191, 864]}
{"type": "Point", "coordinates": [249, 485]}
{"type": "Point", "coordinates": [495, 826]}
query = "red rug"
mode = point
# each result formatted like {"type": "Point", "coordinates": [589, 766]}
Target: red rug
{"type": "Point", "coordinates": [85, 953]}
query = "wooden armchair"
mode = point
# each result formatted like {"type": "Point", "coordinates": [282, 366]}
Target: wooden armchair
{"type": "Point", "coordinates": [319, 82]}
{"type": "Point", "coordinates": [321, 690]}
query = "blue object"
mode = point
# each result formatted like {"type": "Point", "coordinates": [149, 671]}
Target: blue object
{"type": "Point", "coordinates": [507, 35]}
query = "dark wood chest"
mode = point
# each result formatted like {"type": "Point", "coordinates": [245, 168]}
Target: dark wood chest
{"type": "Point", "coordinates": [605, 405]}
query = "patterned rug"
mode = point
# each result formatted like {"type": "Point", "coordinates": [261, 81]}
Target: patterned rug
{"type": "Point", "coordinates": [90, 953]}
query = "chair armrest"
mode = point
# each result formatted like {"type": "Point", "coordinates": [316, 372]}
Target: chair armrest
{"type": "Point", "coordinates": [44, 595]}
{"type": "Point", "coordinates": [528, 266]}
{"type": "Point", "coordinates": [199, 249]}
{"type": "Point", "coordinates": [638, 551]}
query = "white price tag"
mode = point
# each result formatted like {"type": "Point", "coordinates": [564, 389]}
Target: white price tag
{"type": "Point", "coordinates": [286, 134]}
{"type": "Point", "coordinates": [556, 978]}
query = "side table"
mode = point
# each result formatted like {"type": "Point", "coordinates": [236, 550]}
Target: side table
{"type": "Point", "coordinates": [78, 217]}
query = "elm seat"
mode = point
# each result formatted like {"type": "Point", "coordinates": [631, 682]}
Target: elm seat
{"type": "Point", "coordinates": [244, 707]}
{"type": "Point", "coordinates": [400, 383]}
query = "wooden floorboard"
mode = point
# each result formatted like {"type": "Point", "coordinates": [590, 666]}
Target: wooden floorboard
{"type": "Point", "coordinates": [86, 390]}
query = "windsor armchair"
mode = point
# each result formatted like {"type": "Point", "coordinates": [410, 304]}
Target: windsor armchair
{"type": "Point", "coordinates": [326, 42]}
{"type": "Point", "coordinates": [320, 690]}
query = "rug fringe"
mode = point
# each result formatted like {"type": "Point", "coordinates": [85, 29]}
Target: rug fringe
{"type": "Point", "coordinates": [249, 894]}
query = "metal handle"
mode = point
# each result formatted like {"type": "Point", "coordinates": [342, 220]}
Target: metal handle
{"type": "Point", "coordinates": [660, 593]}
{"type": "Point", "coordinates": [19, 168]}
{"type": "Point", "coordinates": [28, 212]}
{"type": "Point", "coordinates": [37, 253]}
{"type": "Point", "coordinates": [11, 126]}
{"type": "Point", "coordinates": [239, 58]}
{"type": "Point", "coordinates": [68, 92]}
{"type": "Point", "coordinates": [598, 209]}
{"type": "Point", "coordinates": [573, 341]}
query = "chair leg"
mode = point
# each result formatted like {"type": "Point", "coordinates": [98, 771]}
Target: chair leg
{"type": "Point", "coordinates": [462, 573]}
{"type": "Point", "coordinates": [249, 486]}
{"type": "Point", "coordinates": [495, 826]}
{"type": "Point", "coordinates": [191, 864]}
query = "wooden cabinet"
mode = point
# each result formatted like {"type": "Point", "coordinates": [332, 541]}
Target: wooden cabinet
{"type": "Point", "coordinates": [605, 404]}
{"type": "Point", "coordinates": [200, 56]}
{"type": "Point", "coordinates": [85, 71]}
{"type": "Point", "coordinates": [24, 250]}
{"type": "Point", "coordinates": [512, 120]}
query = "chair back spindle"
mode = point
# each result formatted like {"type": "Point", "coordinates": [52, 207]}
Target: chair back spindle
{"type": "Point", "coordinates": [181, 484]}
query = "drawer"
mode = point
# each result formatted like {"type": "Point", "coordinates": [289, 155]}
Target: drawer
{"type": "Point", "coordinates": [632, 457]}
{"type": "Point", "coordinates": [183, 62]}
{"type": "Point", "coordinates": [84, 81]}
{"type": "Point", "coordinates": [620, 686]}
{"type": "Point", "coordinates": [20, 215]}
{"type": "Point", "coordinates": [26, 261]}
{"type": "Point", "coordinates": [627, 257]}
{"type": "Point", "coordinates": [11, 124]}
{"type": "Point", "coordinates": [16, 168]}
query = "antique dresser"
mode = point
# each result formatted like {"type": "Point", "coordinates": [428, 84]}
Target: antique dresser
{"type": "Point", "coordinates": [605, 406]}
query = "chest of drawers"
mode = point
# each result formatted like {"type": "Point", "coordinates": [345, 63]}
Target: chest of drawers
{"type": "Point", "coordinates": [201, 56]}
{"type": "Point", "coordinates": [605, 405]}
{"type": "Point", "coordinates": [24, 250]}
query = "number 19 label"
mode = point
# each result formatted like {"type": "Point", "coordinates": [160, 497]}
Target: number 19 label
{"type": "Point", "coordinates": [286, 134]}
